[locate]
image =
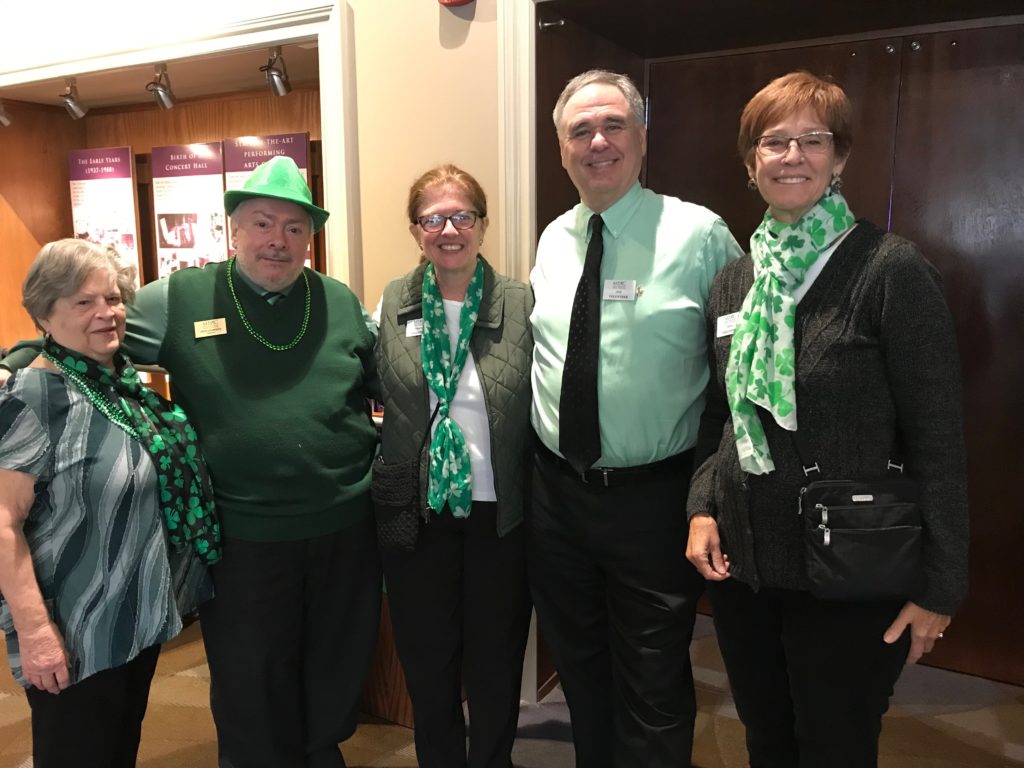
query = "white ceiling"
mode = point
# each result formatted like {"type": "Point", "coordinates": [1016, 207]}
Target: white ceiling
{"type": "Point", "coordinates": [190, 78]}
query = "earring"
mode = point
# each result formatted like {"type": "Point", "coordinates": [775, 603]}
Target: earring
{"type": "Point", "coordinates": [837, 183]}
{"type": "Point", "coordinates": [751, 184]}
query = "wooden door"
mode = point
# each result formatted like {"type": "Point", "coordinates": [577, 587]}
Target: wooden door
{"type": "Point", "coordinates": [959, 194]}
{"type": "Point", "coordinates": [694, 112]}
{"type": "Point", "coordinates": [564, 49]}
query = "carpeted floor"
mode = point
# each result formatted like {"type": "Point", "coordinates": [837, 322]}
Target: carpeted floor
{"type": "Point", "coordinates": [938, 720]}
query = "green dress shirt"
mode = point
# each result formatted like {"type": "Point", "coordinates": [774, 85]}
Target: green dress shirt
{"type": "Point", "coordinates": [653, 365]}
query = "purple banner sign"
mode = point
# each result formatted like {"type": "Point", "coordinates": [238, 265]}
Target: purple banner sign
{"type": "Point", "coordinates": [187, 160]}
{"type": "Point", "coordinates": [244, 153]}
{"type": "Point", "coordinates": [109, 163]}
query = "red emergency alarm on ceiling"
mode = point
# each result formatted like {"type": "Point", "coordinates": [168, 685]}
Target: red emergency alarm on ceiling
{"type": "Point", "coordinates": [454, 2]}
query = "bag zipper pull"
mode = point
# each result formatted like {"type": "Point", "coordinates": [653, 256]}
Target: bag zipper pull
{"type": "Point", "coordinates": [800, 500]}
{"type": "Point", "coordinates": [823, 525]}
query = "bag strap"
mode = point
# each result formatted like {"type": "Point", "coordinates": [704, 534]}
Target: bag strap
{"type": "Point", "coordinates": [426, 435]}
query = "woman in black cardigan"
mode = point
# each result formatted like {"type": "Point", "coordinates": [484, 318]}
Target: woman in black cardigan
{"type": "Point", "coordinates": [837, 322]}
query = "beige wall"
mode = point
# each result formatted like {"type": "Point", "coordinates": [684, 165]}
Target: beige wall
{"type": "Point", "coordinates": [426, 93]}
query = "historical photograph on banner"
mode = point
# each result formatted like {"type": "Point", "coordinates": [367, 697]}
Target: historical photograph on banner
{"type": "Point", "coordinates": [243, 153]}
{"type": "Point", "coordinates": [103, 206]}
{"type": "Point", "coordinates": [188, 206]}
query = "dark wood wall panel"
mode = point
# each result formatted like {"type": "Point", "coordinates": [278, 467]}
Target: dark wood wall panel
{"type": "Point", "coordinates": [695, 106]}
{"type": "Point", "coordinates": [35, 204]}
{"type": "Point", "coordinates": [208, 119]}
{"type": "Point", "coordinates": [959, 195]}
{"type": "Point", "coordinates": [385, 694]}
{"type": "Point", "coordinates": [562, 52]}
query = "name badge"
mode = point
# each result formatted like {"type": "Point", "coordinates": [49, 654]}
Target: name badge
{"type": "Point", "coordinates": [726, 324]}
{"type": "Point", "coordinates": [620, 290]}
{"type": "Point", "coordinates": [414, 327]}
{"type": "Point", "coordinates": [218, 326]}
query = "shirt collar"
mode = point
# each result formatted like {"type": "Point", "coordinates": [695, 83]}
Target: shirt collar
{"type": "Point", "coordinates": [616, 217]}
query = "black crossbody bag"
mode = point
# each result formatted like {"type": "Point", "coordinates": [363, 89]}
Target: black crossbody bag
{"type": "Point", "coordinates": [395, 491]}
{"type": "Point", "coordinates": [862, 538]}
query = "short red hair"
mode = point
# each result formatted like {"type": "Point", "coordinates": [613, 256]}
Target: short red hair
{"type": "Point", "coordinates": [791, 93]}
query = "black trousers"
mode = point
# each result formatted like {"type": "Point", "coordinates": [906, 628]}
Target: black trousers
{"type": "Point", "coordinates": [289, 636]}
{"type": "Point", "coordinates": [95, 723]}
{"type": "Point", "coordinates": [616, 600]}
{"type": "Point", "coordinates": [811, 678]}
{"type": "Point", "coordinates": [460, 607]}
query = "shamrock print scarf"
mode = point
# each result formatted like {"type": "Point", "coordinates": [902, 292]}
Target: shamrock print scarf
{"type": "Point", "coordinates": [186, 496]}
{"type": "Point", "coordinates": [450, 476]}
{"type": "Point", "coordinates": [762, 360]}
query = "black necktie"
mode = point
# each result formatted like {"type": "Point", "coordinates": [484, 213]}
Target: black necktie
{"type": "Point", "coordinates": [272, 297]}
{"type": "Point", "coordinates": [579, 435]}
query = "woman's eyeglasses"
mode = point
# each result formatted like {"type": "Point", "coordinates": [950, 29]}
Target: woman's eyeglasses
{"type": "Point", "coordinates": [461, 220]}
{"type": "Point", "coordinates": [813, 143]}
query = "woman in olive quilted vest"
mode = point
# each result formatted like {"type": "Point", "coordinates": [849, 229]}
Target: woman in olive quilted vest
{"type": "Point", "coordinates": [454, 357]}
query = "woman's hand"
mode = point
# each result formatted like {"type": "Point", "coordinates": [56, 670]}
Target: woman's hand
{"type": "Point", "coordinates": [925, 628]}
{"type": "Point", "coordinates": [704, 548]}
{"type": "Point", "coordinates": [44, 662]}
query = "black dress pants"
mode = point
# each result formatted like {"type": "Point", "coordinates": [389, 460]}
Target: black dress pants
{"type": "Point", "coordinates": [811, 678]}
{"type": "Point", "coordinates": [616, 601]}
{"type": "Point", "coordinates": [289, 636]}
{"type": "Point", "coordinates": [460, 608]}
{"type": "Point", "coordinates": [95, 723]}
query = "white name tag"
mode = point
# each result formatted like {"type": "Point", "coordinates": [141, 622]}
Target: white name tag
{"type": "Point", "coordinates": [726, 324]}
{"type": "Point", "coordinates": [414, 327]}
{"type": "Point", "coordinates": [620, 290]}
{"type": "Point", "coordinates": [218, 326]}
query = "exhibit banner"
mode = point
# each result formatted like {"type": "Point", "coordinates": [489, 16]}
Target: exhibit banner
{"type": "Point", "coordinates": [188, 206]}
{"type": "Point", "coordinates": [243, 153]}
{"type": "Point", "coordinates": [103, 201]}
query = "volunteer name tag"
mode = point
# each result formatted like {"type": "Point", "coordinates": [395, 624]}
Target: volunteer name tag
{"type": "Point", "coordinates": [218, 326]}
{"type": "Point", "coordinates": [726, 324]}
{"type": "Point", "coordinates": [620, 290]}
{"type": "Point", "coordinates": [414, 327]}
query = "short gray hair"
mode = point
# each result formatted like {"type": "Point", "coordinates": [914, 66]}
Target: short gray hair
{"type": "Point", "coordinates": [62, 267]}
{"type": "Point", "coordinates": [622, 82]}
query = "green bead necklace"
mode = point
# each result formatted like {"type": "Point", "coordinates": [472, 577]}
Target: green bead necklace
{"type": "Point", "coordinates": [253, 332]}
{"type": "Point", "coordinates": [98, 399]}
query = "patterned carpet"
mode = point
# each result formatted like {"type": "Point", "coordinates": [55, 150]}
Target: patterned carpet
{"type": "Point", "coordinates": [938, 720]}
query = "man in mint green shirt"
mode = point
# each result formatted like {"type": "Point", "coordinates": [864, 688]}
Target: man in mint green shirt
{"type": "Point", "coordinates": [615, 595]}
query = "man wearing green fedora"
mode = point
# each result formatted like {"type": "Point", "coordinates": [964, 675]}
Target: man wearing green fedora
{"type": "Point", "coordinates": [273, 362]}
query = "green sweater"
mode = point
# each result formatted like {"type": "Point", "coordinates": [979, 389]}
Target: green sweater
{"type": "Point", "coordinates": [287, 434]}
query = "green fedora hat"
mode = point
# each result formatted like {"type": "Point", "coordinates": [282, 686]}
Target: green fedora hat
{"type": "Point", "coordinates": [279, 178]}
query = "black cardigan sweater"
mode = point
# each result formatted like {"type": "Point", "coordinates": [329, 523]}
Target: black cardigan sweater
{"type": "Point", "coordinates": [876, 353]}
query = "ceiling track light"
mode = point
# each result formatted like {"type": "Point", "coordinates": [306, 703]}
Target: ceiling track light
{"type": "Point", "coordinates": [5, 120]}
{"type": "Point", "coordinates": [70, 99]}
{"type": "Point", "coordinates": [277, 73]}
{"type": "Point", "coordinates": [160, 87]}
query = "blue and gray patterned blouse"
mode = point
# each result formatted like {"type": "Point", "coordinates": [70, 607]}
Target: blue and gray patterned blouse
{"type": "Point", "coordinates": [110, 580]}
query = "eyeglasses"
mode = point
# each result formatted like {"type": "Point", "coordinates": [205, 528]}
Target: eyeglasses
{"type": "Point", "coordinates": [813, 143]}
{"type": "Point", "coordinates": [461, 220]}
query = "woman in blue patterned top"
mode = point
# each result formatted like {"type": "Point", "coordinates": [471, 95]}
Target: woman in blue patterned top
{"type": "Point", "coordinates": [107, 521]}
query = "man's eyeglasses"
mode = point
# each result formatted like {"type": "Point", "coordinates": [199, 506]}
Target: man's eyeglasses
{"type": "Point", "coordinates": [461, 220]}
{"type": "Point", "coordinates": [813, 143]}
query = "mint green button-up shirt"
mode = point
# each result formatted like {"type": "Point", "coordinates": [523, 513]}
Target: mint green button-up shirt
{"type": "Point", "coordinates": [653, 364]}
